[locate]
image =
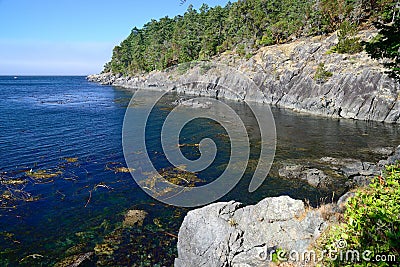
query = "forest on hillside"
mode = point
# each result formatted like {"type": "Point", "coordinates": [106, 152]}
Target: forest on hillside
{"type": "Point", "coordinates": [240, 27]}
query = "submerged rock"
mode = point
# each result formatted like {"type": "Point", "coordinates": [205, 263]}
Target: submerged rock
{"type": "Point", "coordinates": [75, 260]}
{"type": "Point", "coordinates": [226, 234]}
{"type": "Point", "coordinates": [134, 217]}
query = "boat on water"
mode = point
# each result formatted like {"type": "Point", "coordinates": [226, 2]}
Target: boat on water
{"type": "Point", "coordinates": [15, 77]}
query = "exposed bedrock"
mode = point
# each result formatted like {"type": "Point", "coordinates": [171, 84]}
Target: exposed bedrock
{"type": "Point", "coordinates": [284, 75]}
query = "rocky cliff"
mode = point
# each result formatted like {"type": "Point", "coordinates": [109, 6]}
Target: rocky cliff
{"type": "Point", "coordinates": [285, 75]}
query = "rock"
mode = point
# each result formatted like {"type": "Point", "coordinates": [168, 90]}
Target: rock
{"type": "Point", "coordinates": [291, 171]}
{"type": "Point", "coordinates": [392, 159]}
{"type": "Point", "coordinates": [314, 177]}
{"type": "Point", "coordinates": [317, 178]}
{"type": "Point", "coordinates": [75, 260]}
{"type": "Point", "coordinates": [134, 217]}
{"type": "Point", "coordinates": [351, 167]}
{"type": "Point", "coordinates": [342, 201]}
{"type": "Point", "coordinates": [283, 75]}
{"type": "Point", "coordinates": [360, 180]}
{"type": "Point", "coordinates": [193, 103]}
{"type": "Point", "coordinates": [226, 234]}
{"type": "Point", "coordinates": [384, 151]}
{"type": "Point", "coordinates": [395, 156]}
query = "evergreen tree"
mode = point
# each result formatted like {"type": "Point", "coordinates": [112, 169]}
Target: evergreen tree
{"type": "Point", "coordinates": [241, 26]}
{"type": "Point", "coordinates": [387, 46]}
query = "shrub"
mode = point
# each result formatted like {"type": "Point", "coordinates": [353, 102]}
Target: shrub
{"type": "Point", "coordinates": [240, 50]}
{"type": "Point", "coordinates": [347, 43]}
{"type": "Point", "coordinates": [248, 56]}
{"type": "Point", "coordinates": [267, 39]}
{"type": "Point", "coordinates": [321, 74]}
{"type": "Point", "coordinates": [371, 222]}
{"type": "Point", "coordinates": [183, 68]}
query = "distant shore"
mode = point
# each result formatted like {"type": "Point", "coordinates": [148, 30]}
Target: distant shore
{"type": "Point", "coordinates": [286, 76]}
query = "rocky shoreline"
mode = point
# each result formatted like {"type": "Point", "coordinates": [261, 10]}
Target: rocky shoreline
{"type": "Point", "coordinates": [285, 75]}
{"type": "Point", "coordinates": [228, 234]}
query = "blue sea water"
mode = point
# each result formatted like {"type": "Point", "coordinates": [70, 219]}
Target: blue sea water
{"type": "Point", "coordinates": [44, 121]}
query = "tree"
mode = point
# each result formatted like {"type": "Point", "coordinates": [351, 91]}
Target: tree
{"type": "Point", "coordinates": [387, 46]}
{"type": "Point", "coordinates": [241, 26]}
{"type": "Point", "coordinates": [347, 42]}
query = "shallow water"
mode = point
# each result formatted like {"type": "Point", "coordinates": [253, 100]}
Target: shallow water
{"type": "Point", "coordinates": [45, 121]}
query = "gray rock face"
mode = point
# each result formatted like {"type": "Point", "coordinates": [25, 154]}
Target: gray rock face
{"type": "Point", "coordinates": [284, 76]}
{"type": "Point", "coordinates": [226, 234]}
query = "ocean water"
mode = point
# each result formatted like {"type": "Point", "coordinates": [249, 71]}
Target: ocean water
{"type": "Point", "coordinates": [69, 131]}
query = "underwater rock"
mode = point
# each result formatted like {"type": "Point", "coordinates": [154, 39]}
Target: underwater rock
{"type": "Point", "coordinates": [75, 260]}
{"type": "Point", "coordinates": [134, 217]}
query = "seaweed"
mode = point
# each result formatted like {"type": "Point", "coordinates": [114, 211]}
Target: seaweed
{"type": "Point", "coordinates": [43, 174]}
{"type": "Point", "coordinates": [117, 167]}
{"type": "Point", "coordinates": [157, 182]}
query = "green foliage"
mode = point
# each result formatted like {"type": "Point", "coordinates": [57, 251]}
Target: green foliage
{"type": "Point", "coordinates": [205, 67]}
{"type": "Point", "coordinates": [387, 46]}
{"type": "Point", "coordinates": [242, 26]}
{"type": "Point", "coordinates": [183, 68]}
{"type": "Point", "coordinates": [371, 221]}
{"type": "Point", "coordinates": [321, 74]}
{"type": "Point", "coordinates": [266, 40]}
{"type": "Point", "coordinates": [241, 50]}
{"type": "Point", "coordinates": [347, 43]}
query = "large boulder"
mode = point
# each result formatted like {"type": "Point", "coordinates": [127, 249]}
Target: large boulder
{"type": "Point", "coordinates": [227, 234]}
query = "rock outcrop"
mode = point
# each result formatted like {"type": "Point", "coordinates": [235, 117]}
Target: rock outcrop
{"type": "Point", "coordinates": [226, 234]}
{"type": "Point", "coordinates": [285, 76]}
{"type": "Point", "coordinates": [314, 177]}
{"type": "Point", "coordinates": [327, 171]}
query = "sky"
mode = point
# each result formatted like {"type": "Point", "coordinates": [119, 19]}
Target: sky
{"type": "Point", "coordinates": [73, 37]}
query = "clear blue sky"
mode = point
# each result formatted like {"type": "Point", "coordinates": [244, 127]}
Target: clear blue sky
{"type": "Point", "coordinates": [73, 37]}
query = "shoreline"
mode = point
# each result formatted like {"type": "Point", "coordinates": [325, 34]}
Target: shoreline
{"type": "Point", "coordinates": [285, 76]}
{"type": "Point", "coordinates": [249, 235]}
